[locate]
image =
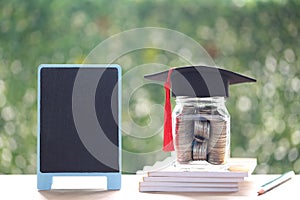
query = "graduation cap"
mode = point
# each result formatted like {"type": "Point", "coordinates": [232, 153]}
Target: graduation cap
{"type": "Point", "coordinates": [194, 81]}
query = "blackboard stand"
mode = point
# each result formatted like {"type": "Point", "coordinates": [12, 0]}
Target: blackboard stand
{"type": "Point", "coordinates": [44, 180]}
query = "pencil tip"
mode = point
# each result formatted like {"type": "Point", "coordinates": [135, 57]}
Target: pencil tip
{"type": "Point", "coordinates": [260, 192]}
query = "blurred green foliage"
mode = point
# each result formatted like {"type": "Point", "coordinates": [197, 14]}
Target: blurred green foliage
{"type": "Point", "coordinates": [256, 38]}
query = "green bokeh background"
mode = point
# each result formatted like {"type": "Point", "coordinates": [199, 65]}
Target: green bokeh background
{"type": "Point", "coordinates": [256, 38]}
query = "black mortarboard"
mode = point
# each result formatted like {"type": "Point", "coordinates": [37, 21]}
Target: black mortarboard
{"type": "Point", "coordinates": [200, 81]}
{"type": "Point", "coordinates": [194, 81]}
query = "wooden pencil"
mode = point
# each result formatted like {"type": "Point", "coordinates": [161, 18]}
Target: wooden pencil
{"type": "Point", "coordinates": [275, 182]}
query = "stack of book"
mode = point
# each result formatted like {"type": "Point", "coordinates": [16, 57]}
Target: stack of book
{"type": "Point", "coordinates": [199, 178]}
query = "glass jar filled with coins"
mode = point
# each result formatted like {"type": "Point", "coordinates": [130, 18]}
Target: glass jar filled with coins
{"type": "Point", "coordinates": [201, 129]}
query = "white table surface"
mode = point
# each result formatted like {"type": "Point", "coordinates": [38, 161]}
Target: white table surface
{"type": "Point", "coordinates": [24, 187]}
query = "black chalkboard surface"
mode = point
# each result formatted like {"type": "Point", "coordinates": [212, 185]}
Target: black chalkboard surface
{"type": "Point", "coordinates": [78, 119]}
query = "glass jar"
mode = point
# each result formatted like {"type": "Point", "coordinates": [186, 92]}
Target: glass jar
{"type": "Point", "coordinates": [201, 129]}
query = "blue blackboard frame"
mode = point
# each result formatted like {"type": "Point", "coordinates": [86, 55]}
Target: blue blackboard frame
{"type": "Point", "coordinates": [44, 180]}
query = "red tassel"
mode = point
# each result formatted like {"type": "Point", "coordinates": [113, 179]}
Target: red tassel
{"type": "Point", "coordinates": [168, 138]}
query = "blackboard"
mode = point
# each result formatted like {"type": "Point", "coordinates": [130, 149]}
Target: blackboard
{"type": "Point", "coordinates": [61, 136]}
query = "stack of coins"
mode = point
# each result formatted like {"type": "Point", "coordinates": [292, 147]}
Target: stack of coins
{"type": "Point", "coordinates": [199, 150]}
{"type": "Point", "coordinates": [201, 134]}
{"type": "Point", "coordinates": [201, 129]}
{"type": "Point", "coordinates": [217, 146]}
{"type": "Point", "coordinates": [184, 134]}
